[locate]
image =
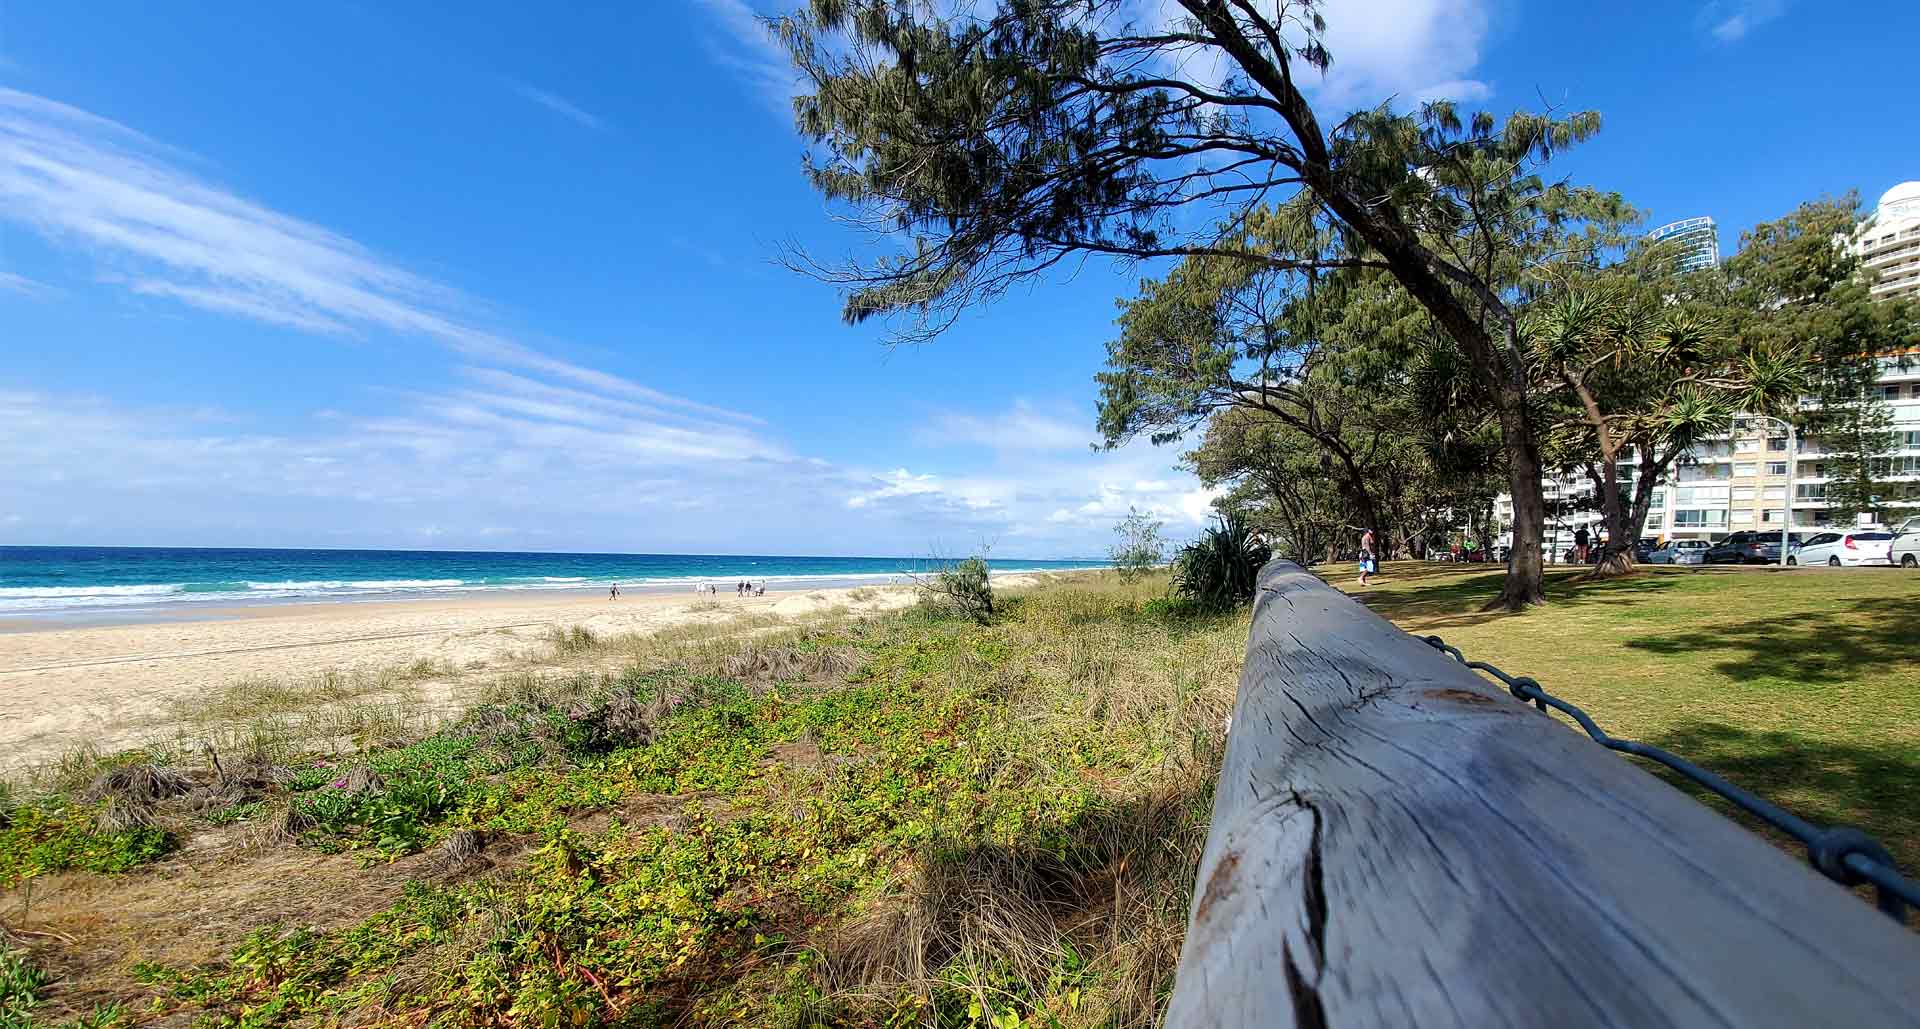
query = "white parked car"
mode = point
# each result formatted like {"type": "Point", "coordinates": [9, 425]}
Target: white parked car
{"type": "Point", "coordinates": [1905, 550]}
{"type": "Point", "coordinates": [1681, 552]}
{"type": "Point", "coordinates": [1858, 547]}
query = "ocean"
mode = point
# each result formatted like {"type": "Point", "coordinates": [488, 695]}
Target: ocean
{"type": "Point", "coordinates": [51, 580]}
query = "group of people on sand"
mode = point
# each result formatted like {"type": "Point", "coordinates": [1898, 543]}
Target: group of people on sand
{"type": "Point", "coordinates": [742, 588]}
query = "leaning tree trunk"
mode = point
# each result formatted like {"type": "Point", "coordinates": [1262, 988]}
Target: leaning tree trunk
{"type": "Point", "coordinates": [1616, 558]}
{"type": "Point", "coordinates": [1497, 361]}
{"type": "Point", "coordinates": [1525, 562]}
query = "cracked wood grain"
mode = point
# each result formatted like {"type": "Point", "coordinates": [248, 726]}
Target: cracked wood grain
{"type": "Point", "coordinates": [1397, 842]}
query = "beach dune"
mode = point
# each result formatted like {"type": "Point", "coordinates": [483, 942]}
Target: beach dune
{"type": "Point", "coordinates": [63, 686]}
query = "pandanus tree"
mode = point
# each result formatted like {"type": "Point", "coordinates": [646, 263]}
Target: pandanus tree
{"type": "Point", "coordinates": [1003, 139]}
{"type": "Point", "coordinates": [1645, 371]}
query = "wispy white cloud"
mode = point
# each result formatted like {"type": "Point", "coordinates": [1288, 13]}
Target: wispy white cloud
{"type": "Point", "coordinates": [897, 483]}
{"type": "Point", "coordinates": [1020, 428]}
{"type": "Point", "coordinates": [1729, 21]}
{"type": "Point", "coordinates": [1048, 486]}
{"type": "Point", "coordinates": [78, 178]}
{"type": "Point", "coordinates": [1414, 50]}
{"type": "Point", "coordinates": [557, 104]}
{"type": "Point", "coordinates": [518, 447]}
{"type": "Point", "coordinates": [488, 464]}
{"type": "Point", "coordinates": [746, 46]}
{"type": "Point", "coordinates": [1406, 50]}
{"type": "Point", "coordinates": [11, 282]}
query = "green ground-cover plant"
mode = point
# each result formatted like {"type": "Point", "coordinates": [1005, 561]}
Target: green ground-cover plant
{"type": "Point", "coordinates": [20, 983]}
{"type": "Point", "coordinates": [55, 836]}
{"type": "Point", "coordinates": [920, 820]}
{"type": "Point", "coordinates": [929, 821]}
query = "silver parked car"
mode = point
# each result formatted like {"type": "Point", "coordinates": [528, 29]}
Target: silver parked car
{"type": "Point", "coordinates": [1680, 552]}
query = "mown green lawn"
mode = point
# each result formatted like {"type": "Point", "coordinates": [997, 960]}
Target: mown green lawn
{"type": "Point", "coordinates": [1802, 685]}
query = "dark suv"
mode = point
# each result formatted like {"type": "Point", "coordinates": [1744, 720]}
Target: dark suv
{"type": "Point", "coordinates": [1749, 548]}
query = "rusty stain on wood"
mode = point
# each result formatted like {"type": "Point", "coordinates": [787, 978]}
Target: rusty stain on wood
{"type": "Point", "coordinates": [1219, 884]}
{"type": "Point", "coordinates": [1463, 696]}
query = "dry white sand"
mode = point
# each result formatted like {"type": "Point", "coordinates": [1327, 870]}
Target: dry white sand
{"type": "Point", "coordinates": [62, 685]}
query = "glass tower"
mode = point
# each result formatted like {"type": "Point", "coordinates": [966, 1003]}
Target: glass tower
{"type": "Point", "coordinates": [1694, 242]}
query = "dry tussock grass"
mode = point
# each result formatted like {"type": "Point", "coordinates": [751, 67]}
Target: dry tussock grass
{"type": "Point", "coordinates": [767, 663]}
{"type": "Point", "coordinates": [1078, 651]}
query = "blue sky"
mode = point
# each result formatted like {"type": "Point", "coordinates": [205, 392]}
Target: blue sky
{"type": "Point", "coordinates": [497, 276]}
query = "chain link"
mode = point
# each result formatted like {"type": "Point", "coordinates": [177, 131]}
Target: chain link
{"type": "Point", "coordinates": [1842, 853]}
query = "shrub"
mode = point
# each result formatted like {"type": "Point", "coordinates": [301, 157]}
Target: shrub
{"type": "Point", "coordinates": [1138, 548]}
{"type": "Point", "coordinates": [1219, 570]}
{"type": "Point", "coordinates": [965, 588]}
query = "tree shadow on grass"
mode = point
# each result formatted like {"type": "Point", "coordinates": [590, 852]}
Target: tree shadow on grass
{"type": "Point", "coordinates": [1455, 603]}
{"type": "Point", "coordinates": [1870, 786]}
{"type": "Point", "coordinates": [1815, 647]}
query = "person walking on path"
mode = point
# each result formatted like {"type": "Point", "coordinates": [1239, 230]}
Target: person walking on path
{"type": "Point", "coordinates": [1581, 539]}
{"type": "Point", "coordinates": [1367, 565]}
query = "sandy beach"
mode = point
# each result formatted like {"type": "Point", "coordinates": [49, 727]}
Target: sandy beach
{"type": "Point", "coordinates": [64, 685]}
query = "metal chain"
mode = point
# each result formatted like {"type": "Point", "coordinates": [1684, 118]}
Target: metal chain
{"type": "Point", "coordinates": [1842, 853]}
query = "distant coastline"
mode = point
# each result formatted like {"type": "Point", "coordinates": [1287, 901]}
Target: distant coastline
{"type": "Point", "coordinates": [55, 581]}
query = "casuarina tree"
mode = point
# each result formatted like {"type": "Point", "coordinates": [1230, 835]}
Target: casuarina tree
{"type": "Point", "coordinates": [1002, 141]}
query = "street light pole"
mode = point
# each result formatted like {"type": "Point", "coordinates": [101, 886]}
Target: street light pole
{"type": "Point", "coordinates": [1786, 497]}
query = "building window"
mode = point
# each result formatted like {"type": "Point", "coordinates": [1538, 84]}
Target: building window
{"type": "Point", "coordinates": [1747, 446]}
{"type": "Point", "coordinates": [1890, 392]}
{"type": "Point", "coordinates": [1777, 445]}
{"type": "Point", "coordinates": [1745, 468]}
{"type": "Point", "coordinates": [1743, 493]}
{"type": "Point", "coordinates": [1699, 519]}
{"type": "Point", "coordinates": [1776, 468]}
{"type": "Point", "coordinates": [1910, 439]}
{"type": "Point", "coordinates": [1771, 514]}
{"type": "Point", "coordinates": [1774, 493]}
{"type": "Point", "coordinates": [1658, 501]}
{"type": "Point", "coordinates": [1743, 517]}
{"type": "Point", "coordinates": [1655, 521]}
{"type": "Point", "coordinates": [1810, 491]}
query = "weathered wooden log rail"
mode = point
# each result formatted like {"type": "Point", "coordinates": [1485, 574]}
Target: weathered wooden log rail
{"type": "Point", "coordinates": [1396, 842]}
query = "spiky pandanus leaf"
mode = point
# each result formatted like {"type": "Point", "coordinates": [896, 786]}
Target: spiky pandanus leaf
{"type": "Point", "coordinates": [1219, 570]}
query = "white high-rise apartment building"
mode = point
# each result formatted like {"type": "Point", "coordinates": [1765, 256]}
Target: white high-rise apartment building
{"type": "Point", "coordinates": [1740, 482]}
{"type": "Point", "coordinates": [1889, 243]}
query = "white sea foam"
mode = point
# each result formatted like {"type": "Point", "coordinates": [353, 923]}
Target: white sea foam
{"type": "Point", "coordinates": [54, 599]}
{"type": "Point", "coordinates": [88, 591]}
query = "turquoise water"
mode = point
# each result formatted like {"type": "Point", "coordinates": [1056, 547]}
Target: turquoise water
{"type": "Point", "coordinates": [57, 579]}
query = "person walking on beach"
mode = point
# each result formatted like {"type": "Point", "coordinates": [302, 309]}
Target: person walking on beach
{"type": "Point", "coordinates": [1367, 566]}
{"type": "Point", "coordinates": [613, 592]}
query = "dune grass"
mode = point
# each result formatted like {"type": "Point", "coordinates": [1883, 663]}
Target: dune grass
{"type": "Point", "coordinates": [1802, 685]}
{"type": "Point", "coordinates": [909, 819]}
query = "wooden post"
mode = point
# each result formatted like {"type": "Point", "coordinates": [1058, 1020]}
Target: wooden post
{"type": "Point", "coordinates": [1397, 842]}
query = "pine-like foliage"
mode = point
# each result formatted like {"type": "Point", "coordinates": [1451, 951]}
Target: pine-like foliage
{"type": "Point", "coordinates": [1219, 570]}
